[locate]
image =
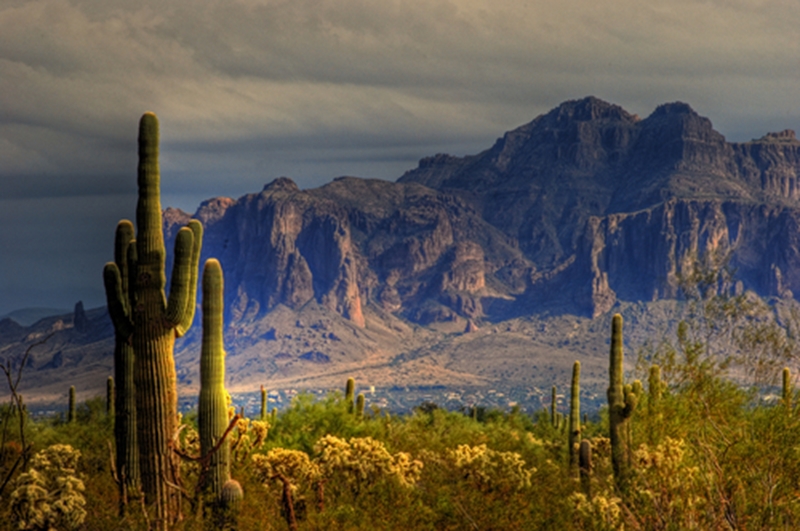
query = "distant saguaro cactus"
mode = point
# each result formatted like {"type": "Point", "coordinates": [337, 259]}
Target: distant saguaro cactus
{"type": "Point", "coordinates": [654, 389]}
{"type": "Point", "coordinates": [71, 407]}
{"type": "Point", "coordinates": [360, 406]}
{"type": "Point", "coordinates": [622, 401]}
{"type": "Point", "coordinates": [553, 410]}
{"type": "Point", "coordinates": [349, 394]}
{"type": "Point", "coordinates": [212, 406]}
{"type": "Point", "coordinates": [786, 393]}
{"type": "Point", "coordinates": [585, 466]}
{"type": "Point", "coordinates": [264, 409]}
{"type": "Point", "coordinates": [151, 322]}
{"type": "Point", "coordinates": [575, 418]}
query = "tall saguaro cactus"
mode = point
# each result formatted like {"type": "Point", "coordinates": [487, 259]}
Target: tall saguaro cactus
{"type": "Point", "coordinates": [150, 322]}
{"type": "Point", "coordinates": [622, 401]}
{"type": "Point", "coordinates": [213, 407]}
{"type": "Point", "coordinates": [575, 418]}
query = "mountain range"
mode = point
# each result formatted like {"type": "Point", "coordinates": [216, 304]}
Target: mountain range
{"type": "Point", "coordinates": [474, 270]}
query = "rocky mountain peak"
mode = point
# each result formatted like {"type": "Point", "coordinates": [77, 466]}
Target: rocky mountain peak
{"type": "Point", "coordinates": [673, 108]}
{"type": "Point", "coordinates": [786, 136]}
{"type": "Point", "coordinates": [281, 184]}
{"type": "Point", "coordinates": [588, 109]}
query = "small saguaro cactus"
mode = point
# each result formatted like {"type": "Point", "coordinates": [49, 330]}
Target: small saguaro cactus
{"type": "Point", "coordinates": [264, 409]}
{"type": "Point", "coordinates": [71, 410]}
{"type": "Point", "coordinates": [575, 418]}
{"type": "Point", "coordinates": [654, 389]}
{"type": "Point", "coordinates": [150, 321]}
{"type": "Point", "coordinates": [622, 401]}
{"type": "Point", "coordinates": [349, 394]}
{"type": "Point", "coordinates": [553, 410]}
{"type": "Point", "coordinates": [212, 408]}
{"type": "Point", "coordinates": [273, 416]}
{"type": "Point", "coordinates": [360, 405]}
{"type": "Point", "coordinates": [585, 466]}
{"type": "Point", "coordinates": [110, 397]}
{"type": "Point", "coordinates": [786, 393]}
{"type": "Point", "coordinates": [231, 500]}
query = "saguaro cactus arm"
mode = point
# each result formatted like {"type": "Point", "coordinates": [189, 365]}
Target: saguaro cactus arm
{"type": "Point", "coordinates": [116, 280]}
{"type": "Point", "coordinates": [188, 315]}
{"type": "Point", "coordinates": [181, 288]}
{"type": "Point", "coordinates": [115, 298]}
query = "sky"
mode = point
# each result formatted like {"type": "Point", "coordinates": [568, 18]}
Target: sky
{"type": "Point", "coordinates": [250, 90]}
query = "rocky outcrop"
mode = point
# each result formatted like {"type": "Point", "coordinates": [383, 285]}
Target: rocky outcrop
{"type": "Point", "coordinates": [281, 246]}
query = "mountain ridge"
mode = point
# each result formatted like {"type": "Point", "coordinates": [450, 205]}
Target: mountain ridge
{"type": "Point", "coordinates": [585, 209]}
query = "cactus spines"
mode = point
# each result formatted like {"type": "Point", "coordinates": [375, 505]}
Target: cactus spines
{"type": "Point", "coordinates": [150, 321]}
{"type": "Point", "coordinates": [212, 406]}
{"type": "Point", "coordinates": [786, 392]}
{"type": "Point", "coordinates": [575, 418]}
{"type": "Point", "coordinates": [71, 410]}
{"type": "Point", "coordinates": [585, 466]}
{"type": "Point", "coordinates": [622, 401]}
{"type": "Point", "coordinates": [349, 394]}
{"type": "Point", "coordinates": [110, 397]}
{"type": "Point", "coordinates": [263, 403]}
{"type": "Point", "coordinates": [553, 411]}
{"type": "Point", "coordinates": [360, 406]}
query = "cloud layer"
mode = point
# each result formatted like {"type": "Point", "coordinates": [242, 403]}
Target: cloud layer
{"type": "Point", "coordinates": [249, 90]}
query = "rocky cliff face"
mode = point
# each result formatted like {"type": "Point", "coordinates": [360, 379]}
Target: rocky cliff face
{"type": "Point", "coordinates": [587, 203]}
{"type": "Point", "coordinates": [607, 205]}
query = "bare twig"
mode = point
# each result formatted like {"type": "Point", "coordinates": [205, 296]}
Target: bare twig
{"type": "Point", "coordinates": [13, 379]}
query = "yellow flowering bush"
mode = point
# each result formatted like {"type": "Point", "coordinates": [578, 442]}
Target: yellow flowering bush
{"type": "Point", "coordinates": [363, 461]}
{"type": "Point", "coordinates": [50, 495]}
{"type": "Point", "coordinates": [489, 469]}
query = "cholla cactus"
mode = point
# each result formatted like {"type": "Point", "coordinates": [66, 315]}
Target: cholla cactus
{"type": "Point", "coordinates": [666, 488]}
{"type": "Point", "coordinates": [365, 461]}
{"type": "Point", "coordinates": [294, 465]}
{"type": "Point", "coordinates": [489, 469]}
{"type": "Point", "coordinates": [50, 495]}
{"type": "Point", "coordinates": [604, 511]}
{"type": "Point", "coordinates": [293, 469]}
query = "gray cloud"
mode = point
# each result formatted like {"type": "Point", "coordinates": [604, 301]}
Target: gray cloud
{"type": "Point", "coordinates": [248, 90]}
